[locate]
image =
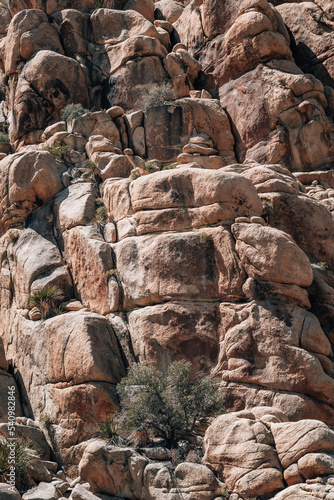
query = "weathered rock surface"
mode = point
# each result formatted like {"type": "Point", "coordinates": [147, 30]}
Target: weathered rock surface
{"type": "Point", "coordinates": [209, 137]}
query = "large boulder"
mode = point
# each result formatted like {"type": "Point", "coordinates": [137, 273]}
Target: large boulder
{"type": "Point", "coordinates": [240, 450]}
{"type": "Point", "coordinates": [27, 181]}
{"type": "Point", "coordinates": [47, 83]}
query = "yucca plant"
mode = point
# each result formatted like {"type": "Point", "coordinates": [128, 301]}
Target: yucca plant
{"type": "Point", "coordinates": [45, 299]}
{"type": "Point", "coordinates": [24, 455]}
{"type": "Point", "coordinates": [101, 217]}
{"type": "Point", "coordinates": [93, 170]}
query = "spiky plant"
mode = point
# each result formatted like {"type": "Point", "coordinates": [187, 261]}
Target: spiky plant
{"type": "Point", "coordinates": [45, 299]}
{"type": "Point", "coordinates": [21, 450]}
{"type": "Point", "coordinates": [101, 217]}
{"type": "Point", "coordinates": [93, 170]}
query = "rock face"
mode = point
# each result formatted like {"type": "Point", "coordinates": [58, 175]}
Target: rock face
{"type": "Point", "coordinates": [253, 450]}
{"type": "Point", "coordinates": [183, 209]}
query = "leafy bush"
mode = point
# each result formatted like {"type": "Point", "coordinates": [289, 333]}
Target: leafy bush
{"type": "Point", "coordinates": [167, 404]}
{"type": "Point", "coordinates": [158, 95]}
{"type": "Point", "coordinates": [23, 458]}
{"type": "Point", "coordinates": [61, 152]}
{"type": "Point", "coordinates": [72, 111]}
{"type": "Point", "coordinates": [45, 299]}
{"type": "Point", "coordinates": [106, 4]}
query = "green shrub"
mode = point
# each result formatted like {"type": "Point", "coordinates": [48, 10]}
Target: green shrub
{"type": "Point", "coordinates": [206, 241]}
{"type": "Point", "coordinates": [45, 418]}
{"type": "Point", "coordinates": [4, 138]}
{"type": "Point", "coordinates": [158, 95]}
{"type": "Point", "coordinates": [72, 111]}
{"type": "Point", "coordinates": [61, 152]}
{"type": "Point", "coordinates": [23, 458]}
{"type": "Point", "coordinates": [170, 166]}
{"type": "Point", "coordinates": [169, 404]}
{"type": "Point", "coordinates": [108, 429]}
{"type": "Point", "coordinates": [101, 217]}
{"type": "Point", "coordinates": [93, 170]}
{"type": "Point", "coordinates": [45, 299]}
{"type": "Point", "coordinates": [323, 266]}
{"type": "Point", "coordinates": [112, 272]}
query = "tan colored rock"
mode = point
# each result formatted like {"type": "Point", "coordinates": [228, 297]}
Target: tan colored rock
{"type": "Point", "coordinates": [314, 465]}
{"type": "Point", "coordinates": [194, 482]}
{"type": "Point", "coordinates": [294, 440]}
{"type": "Point", "coordinates": [189, 117]}
{"type": "Point", "coordinates": [296, 101]}
{"type": "Point", "coordinates": [27, 181]}
{"type": "Point", "coordinates": [123, 477]}
{"type": "Point", "coordinates": [264, 347]}
{"type": "Point", "coordinates": [113, 26]}
{"type": "Point", "coordinates": [154, 269]}
{"type": "Point", "coordinates": [311, 36]}
{"type": "Point", "coordinates": [163, 333]}
{"type": "Point", "coordinates": [118, 165]}
{"type": "Point", "coordinates": [168, 10]}
{"type": "Point", "coordinates": [74, 29]}
{"type": "Point", "coordinates": [97, 123]}
{"type": "Point", "coordinates": [53, 129]}
{"type": "Point", "coordinates": [184, 187]}
{"type": "Point", "coordinates": [75, 206]}
{"type": "Point", "coordinates": [131, 48]}
{"type": "Point", "coordinates": [35, 314]}
{"type": "Point", "coordinates": [77, 351]}
{"type": "Point", "coordinates": [292, 213]}
{"type": "Point", "coordinates": [24, 39]}
{"type": "Point", "coordinates": [98, 143]}
{"type": "Point", "coordinates": [241, 451]}
{"type": "Point", "coordinates": [144, 7]}
{"type": "Point", "coordinates": [37, 84]}
{"type": "Point", "coordinates": [271, 255]}
{"type": "Point", "coordinates": [89, 258]}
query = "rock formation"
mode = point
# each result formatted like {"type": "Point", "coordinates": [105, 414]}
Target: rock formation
{"type": "Point", "coordinates": [186, 212]}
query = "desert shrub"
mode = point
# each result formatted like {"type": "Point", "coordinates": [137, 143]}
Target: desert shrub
{"type": "Point", "coordinates": [61, 152]}
{"type": "Point", "coordinates": [170, 166]}
{"type": "Point", "coordinates": [167, 405]}
{"type": "Point", "coordinates": [45, 418]}
{"type": "Point", "coordinates": [45, 299]}
{"type": "Point", "coordinates": [112, 273]}
{"type": "Point", "coordinates": [323, 266]}
{"type": "Point", "coordinates": [93, 171]}
{"type": "Point", "coordinates": [72, 111]}
{"type": "Point", "coordinates": [101, 217]}
{"type": "Point", "coordinates": [158, 95]}
{"type": "Point", "coordinates": [206, 241]}
{"type": "Point", "coordinates": [23, 458]}
{"type": "Point", "coordinates": [4, 138]}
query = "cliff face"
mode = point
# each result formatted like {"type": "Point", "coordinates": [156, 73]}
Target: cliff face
{"type": "Point", "coordinates": [210, 138]}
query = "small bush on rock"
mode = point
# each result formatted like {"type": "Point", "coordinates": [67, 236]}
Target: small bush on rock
{"type": "Point", "coordinates": [167, 404]}
{"type": "Point", "coordinates": [45, 299]}
{"type": "Point", "coordinates": [158, 95]}
{"type": "Point", "coordinates": [23, 458]}
{"type": "Point", "coordinates": [72, 111]}
{"type": "Point", "coordinates": [4, 138]}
